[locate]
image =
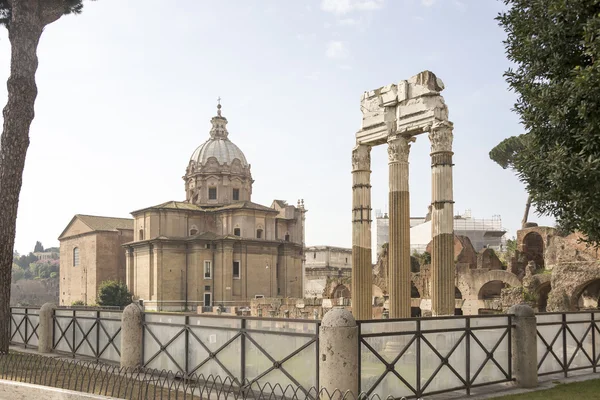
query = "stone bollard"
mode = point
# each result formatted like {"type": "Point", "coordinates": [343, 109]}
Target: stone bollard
{"type": "Point", "coordinates": [44, 330]}
{"type": "Point", "coordinates": [524, 346]}
{"type": "Point", "coordinates": [339, 348]}
{"type": "Point", "coordinates": [131, 337]}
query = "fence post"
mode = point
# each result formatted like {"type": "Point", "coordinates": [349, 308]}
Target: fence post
{"type": "Point", "coordinates": [524, 346]}
{"type": "Point", "coordinates": [339, 348]}
{"type": "Point", "coordinates": [131, 336]}
{"type": "Point", "coordinates": [45, 328]}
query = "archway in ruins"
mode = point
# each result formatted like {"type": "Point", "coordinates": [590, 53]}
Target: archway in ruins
{"type": "Point", "coordinates": [341, 291]}
{"type": "Point", "coordinates": [506, 279]}
{"type": "Point", "coordinates": [457, 293]}
{"type": "Point", "coordinates": [542, 296]}
{"type": "Point", "coordinates": [491, 290]}
{"type": "Point", "coordinates": [587, 297]}
{"type": "Point", "coordinates": [533, 248]}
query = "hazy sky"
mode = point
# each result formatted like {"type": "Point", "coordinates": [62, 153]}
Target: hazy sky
{"type": "Point", "coordinates": [127, 90]}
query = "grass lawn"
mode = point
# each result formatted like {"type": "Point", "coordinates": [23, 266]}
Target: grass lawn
{"type": "Point", "coordinates": [587, 390]}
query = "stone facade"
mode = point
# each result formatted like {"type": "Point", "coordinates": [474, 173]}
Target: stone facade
{"type": "Point", "coordinates": [323, 263]}
{"type": "Point", "coordinates": [217, 247]}
{"type": "Point", "coordinates": [90, 253]}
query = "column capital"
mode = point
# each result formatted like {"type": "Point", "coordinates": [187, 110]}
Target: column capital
{"type": "Point", "coordinates": [361, 158]}
{"type": "Point", "coordinates": [399, 148]}
{"type": "Point", "coordinates": [441, 137]}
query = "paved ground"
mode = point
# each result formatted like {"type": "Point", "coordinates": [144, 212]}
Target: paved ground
{"type": "Point", "coordinates": [505, 389]}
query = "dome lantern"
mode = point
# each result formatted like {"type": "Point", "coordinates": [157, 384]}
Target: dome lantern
{"type": "Point", "coordinates": [218, 172]}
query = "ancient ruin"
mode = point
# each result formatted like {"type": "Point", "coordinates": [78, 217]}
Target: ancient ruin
{"type": "Point", "coordinates": [395, 114]}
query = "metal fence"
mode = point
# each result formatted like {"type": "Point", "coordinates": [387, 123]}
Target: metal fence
{"type": "Point", "coordinates": [122, 383]}
{"type": "Point", "coordinates": [248, 351]}
{"type": "Point", "coordinates": [24, 323]}
{"type": "Point", "coordinates": [95, 334]}
{"type": "Point", "coordinates": [425, 356]}
{"type": "Point", "coordinates": [568, 342]}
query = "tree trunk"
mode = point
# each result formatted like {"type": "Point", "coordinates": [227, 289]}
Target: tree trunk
{"type": "Point", "coordinates": [527, 207]}
{"type": "Point", "coordinates": [25, 29]}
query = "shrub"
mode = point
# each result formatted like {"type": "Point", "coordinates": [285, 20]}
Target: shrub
{"type": "Point", "coordinates": [114, 293]}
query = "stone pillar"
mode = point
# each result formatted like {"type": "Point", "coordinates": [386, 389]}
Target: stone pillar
{"type": "Point", "coordinates": [131, 337]}
{"type": "Point", "coordinates": [338, 361]}
{"type": "Point", "coordinates": [44, 330]}
{"type": "Point", "coordinates": [399, 228]}
{"type": "Point", "coordinates": [442, 220]}
{"type": "Point", "coordinates": [361, 233]}
{"type": "Point", "coordinates": [524, 346]}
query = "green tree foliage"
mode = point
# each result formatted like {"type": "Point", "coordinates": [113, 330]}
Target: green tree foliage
{"type": "Point", "coordinates": [25, 261]}
{"type": "Point", "coordinates": [114, 293]}
{"type": "Point", "coordinates": [506, 151]}
{"type": "Point", "coordinates": [38, 247]}
{"type": "Point", "coordinates": [67, 6]}
{"type": "Point", "coordinates": [555, 46]}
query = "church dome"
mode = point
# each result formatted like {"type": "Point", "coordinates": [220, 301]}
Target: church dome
{"type": "Point", "coordinates": [219, 146]}
{"type": "Point", "coordinates": [224, 150]}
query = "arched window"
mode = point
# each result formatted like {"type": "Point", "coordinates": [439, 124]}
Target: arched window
{"type": "Point", "coordinates": [259, 233]}
{"type": "Point", "coordinates": [76, 257]}
{"type": "Point", "coordinates": [287, 237]}
{"type": "Point", "coordinates": [237, 232]}
{"type": "Point", "coordinates": [141, 234]}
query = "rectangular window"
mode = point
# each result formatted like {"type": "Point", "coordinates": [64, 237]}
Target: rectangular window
{"type": "Point", "coordinates": [236, 232]}
{"type": "Point", "coordinates": [207, 270]}
{"type": "Point", "coordinates": [207, 288]}
{"type": "Point", "coordinates": [76, 257]}
{"type": "Point", "coordinates": [236, 194]}
{"type": "Point", "coordinates": [236, 270]}
{"type": "Point", "coordinates": [212, 193]}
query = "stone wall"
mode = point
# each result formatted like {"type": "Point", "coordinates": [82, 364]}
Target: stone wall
{"type": "Point", "coordinates": [34, 292]}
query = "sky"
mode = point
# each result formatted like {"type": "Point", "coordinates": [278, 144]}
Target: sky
{"type": "Point", "coordinates": [127, 90]}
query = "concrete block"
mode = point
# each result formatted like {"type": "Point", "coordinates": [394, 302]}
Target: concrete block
{"type": "Point", "coordinates": [339, 348]}
{"type": "Point", "coordinates": [131, 337]}
{"type": "Point", "coordinates": [45, 328]}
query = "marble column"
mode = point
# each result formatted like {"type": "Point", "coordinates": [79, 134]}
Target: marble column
{"type": "Point", "coordinates": [399, 241]}
{"type": "Point", "coordinates": [442, 220]}
{"type": "Point", "coordinates": [362, 270]}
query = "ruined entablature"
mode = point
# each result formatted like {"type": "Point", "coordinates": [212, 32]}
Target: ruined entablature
{"type": "Point", "coordinates": [409, 108]}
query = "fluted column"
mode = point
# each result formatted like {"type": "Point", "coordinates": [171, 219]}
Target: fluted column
{"type": "Point", "coordinates": [361, 233]}
{"type": "Point", "coordinates": [399, 241]}
{"type": "Point", "coordinates": [442, 220]}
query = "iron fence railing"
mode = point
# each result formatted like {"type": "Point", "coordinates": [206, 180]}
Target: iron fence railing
{"type": "Point", "coordinates": [95, 334]}
{"type": "Point", "coordinates": [247, 351]}
{"type": "Point", "coordinates": [144, 384]}
{"type": "Point", "coordinates": [24, 323]}
{"type": "Point", "coordinates": [568, 342]}
{"type": "Point", "coordinates": [416, 357]}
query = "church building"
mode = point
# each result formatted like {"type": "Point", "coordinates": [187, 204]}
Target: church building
{"type": "Point", "coordinates": [216, 247]}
